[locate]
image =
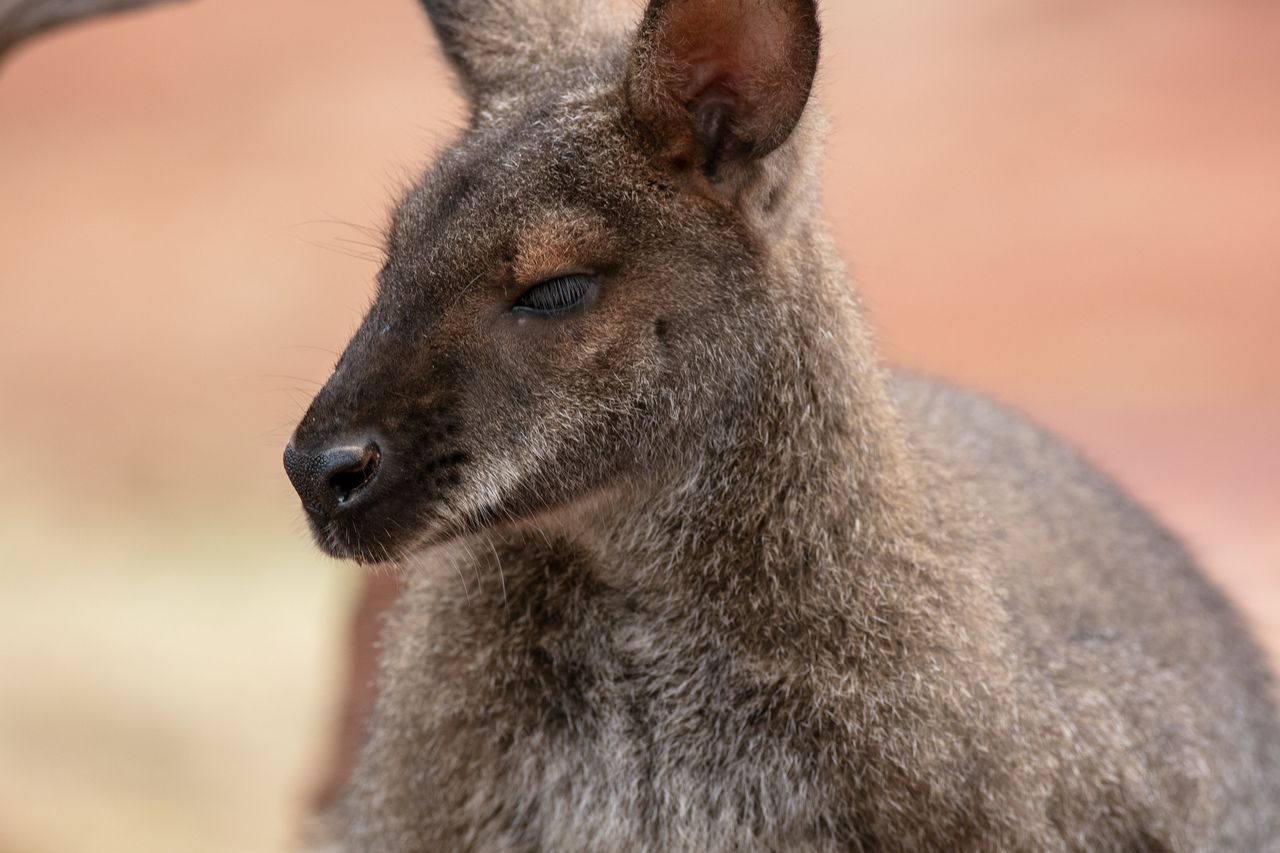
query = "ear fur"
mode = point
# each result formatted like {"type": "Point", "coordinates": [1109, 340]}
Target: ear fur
{"type": "Point", "coordinates": [723, 80]}
{"type": "Point", "coordinates": [503, 47]}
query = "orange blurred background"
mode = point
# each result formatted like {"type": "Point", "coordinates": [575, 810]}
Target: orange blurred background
{"type": "Point", "coordinates": [1071, 204]}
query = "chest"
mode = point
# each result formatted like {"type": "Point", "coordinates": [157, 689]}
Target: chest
{"type": "Point", "coordinates": [604, 729]}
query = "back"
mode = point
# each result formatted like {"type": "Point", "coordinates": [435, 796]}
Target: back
{"type": "Point", "coordinates": [1115, 620]}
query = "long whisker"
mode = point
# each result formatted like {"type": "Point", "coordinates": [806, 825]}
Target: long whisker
{"type": "Point", "coordinates": [501, 576]}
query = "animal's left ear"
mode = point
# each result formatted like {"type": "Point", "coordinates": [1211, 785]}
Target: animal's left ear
{"type": "Point", "coordinates": [723, 80]}
{"type": "Point", "coordinates": [501, 48]}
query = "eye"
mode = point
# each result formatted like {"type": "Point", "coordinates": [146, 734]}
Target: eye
{"type": "Point", "coordinates": [555, 296]}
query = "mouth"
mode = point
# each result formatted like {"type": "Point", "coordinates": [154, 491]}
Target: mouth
{"type": "Point", "coordinates": [347, 541]}
{"type": "Point", "coordinates": [380, 541]}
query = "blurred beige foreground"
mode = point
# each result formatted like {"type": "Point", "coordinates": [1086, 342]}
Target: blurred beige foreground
{"type": "Point", "coordinates": [1073, 204]}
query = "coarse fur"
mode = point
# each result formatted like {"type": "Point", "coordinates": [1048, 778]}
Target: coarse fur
{"type": "Point", "coordinates": [688, 568]}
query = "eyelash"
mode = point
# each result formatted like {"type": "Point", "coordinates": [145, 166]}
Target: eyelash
{"type": "Point", "coordinates": [555, 296]}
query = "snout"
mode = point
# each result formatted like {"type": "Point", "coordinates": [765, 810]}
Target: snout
{"type": "Point", "coordinates": [336, 480]}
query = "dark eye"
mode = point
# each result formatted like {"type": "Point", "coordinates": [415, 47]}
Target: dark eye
{"type": "Point", "coordinates": [555, 296]}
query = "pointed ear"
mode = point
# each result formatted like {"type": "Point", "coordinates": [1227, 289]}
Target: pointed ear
{"type": "Point", "coordinates": [501, 47]}
{"type": "Point", "coordinates": [723, 80]}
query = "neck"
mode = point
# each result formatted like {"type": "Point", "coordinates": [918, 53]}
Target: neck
{"type": "Point", "coordinates": [802, 490]}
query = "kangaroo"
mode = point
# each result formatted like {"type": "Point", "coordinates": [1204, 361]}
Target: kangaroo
{"type": "Point", "coordinates": [688, 568]}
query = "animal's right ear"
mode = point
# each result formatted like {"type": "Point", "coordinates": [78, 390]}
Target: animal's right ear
{"type": "Point", "coordinates": [723, 80]}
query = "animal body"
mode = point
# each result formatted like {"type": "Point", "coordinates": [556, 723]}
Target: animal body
{"type": "Point", "coordinates": [689, 569]}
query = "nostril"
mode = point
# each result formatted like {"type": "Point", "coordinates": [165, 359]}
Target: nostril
{"type": "Point", "coordinates": [352, 469]}
{"type": "Point", "coordinates": [333, 479]}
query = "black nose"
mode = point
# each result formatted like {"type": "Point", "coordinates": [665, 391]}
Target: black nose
{"type": "Point", "coordinates": [333, 480]}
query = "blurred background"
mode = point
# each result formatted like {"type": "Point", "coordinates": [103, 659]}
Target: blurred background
{"type": "Point", "coordinates": [1071, 204]}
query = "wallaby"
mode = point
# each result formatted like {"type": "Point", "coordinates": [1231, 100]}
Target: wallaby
{"type": "Point", "coordinates": [688, 568]}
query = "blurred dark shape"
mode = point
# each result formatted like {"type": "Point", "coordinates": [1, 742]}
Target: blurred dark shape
{"type": "Point", "coordinates": [21, 19]}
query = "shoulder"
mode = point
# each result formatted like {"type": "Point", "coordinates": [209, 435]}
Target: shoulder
{"type": "Point", "coordinates": [970, 437]}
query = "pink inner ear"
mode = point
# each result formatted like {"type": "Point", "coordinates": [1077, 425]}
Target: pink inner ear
{"type": "Point", "coordinates": [708, 71]}
{"type": "Point", "coordinates": [735, 51]}
{"type": "Point", "coordinates": [709, 81]}
{"type": "Point", "coordinates": [741, 69]}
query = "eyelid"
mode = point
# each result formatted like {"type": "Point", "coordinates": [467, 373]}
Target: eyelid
{"type": "Point", "coordinates": [556, 295]}
{"type": "Point", "coordinates": [523, 285]}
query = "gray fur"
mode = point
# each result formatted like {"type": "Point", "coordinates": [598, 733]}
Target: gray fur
{"type": "Point", "coordinates": [689, 570]}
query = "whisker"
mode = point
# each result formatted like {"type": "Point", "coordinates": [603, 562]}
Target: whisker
{"type": "Point", "coordinates": [339, 250]}
{"type": "Point", "coordinates": [363, 229]}
{"type": "Point", "coordinates": [501, 576]}
{"type": "Point", "coordinates": [315, 382]}
{"type": "Point", "coordinates": [331, 352]}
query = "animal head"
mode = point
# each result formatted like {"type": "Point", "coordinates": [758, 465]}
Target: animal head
{"type": "Point", "coordinates": [579, 287]}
